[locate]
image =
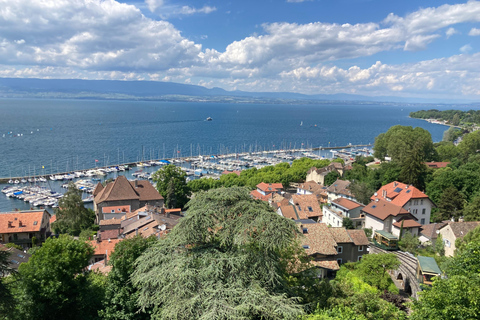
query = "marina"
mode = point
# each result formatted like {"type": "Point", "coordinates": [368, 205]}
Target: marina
{"type": "Point", "coordinates": [46, 191]}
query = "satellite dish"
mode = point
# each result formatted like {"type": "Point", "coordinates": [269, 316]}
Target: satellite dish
{"type": "Point", "coordinates": [163, 227]}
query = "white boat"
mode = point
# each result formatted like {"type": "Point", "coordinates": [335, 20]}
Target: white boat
{"type": "Point", "coordinates": [209, 119]}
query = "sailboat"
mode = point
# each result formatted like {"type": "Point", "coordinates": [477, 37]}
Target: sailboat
{"type": "Point", "coordinates": [301, 123]}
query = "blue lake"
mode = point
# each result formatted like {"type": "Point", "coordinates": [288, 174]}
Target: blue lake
{"type": "Point", "coordinates": [63, 135]}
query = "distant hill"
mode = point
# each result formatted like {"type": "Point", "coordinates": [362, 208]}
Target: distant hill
{"type": "Point", "coordinates": [114, 89]}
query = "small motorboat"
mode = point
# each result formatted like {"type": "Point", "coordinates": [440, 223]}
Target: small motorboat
{"type": "Point", "coordinates": [209, 119]}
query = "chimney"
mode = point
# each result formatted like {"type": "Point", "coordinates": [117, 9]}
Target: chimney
{"type": "Point", "coordinates": [136, 183]}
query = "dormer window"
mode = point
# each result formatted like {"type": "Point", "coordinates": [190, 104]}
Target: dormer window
{"type": "Point", "coordinates": [310, 209]}
{"type": "Point", "coordinates": [306, 246]}
{"type": "Point", "coordinates": [305, 230]}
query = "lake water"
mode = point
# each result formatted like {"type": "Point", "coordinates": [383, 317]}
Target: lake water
{"type": "Point", "coordinates": [45, 136]}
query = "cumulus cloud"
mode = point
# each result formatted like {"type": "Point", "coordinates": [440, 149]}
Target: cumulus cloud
{"type": "Point", "coordinates": [105, 39]}
{"type": "Point", "coordinates": [450, 32]}
{"type": "Point", "coordinates": [466, 48]}
{"type": "Point", "coordinates": [153, 5]}
{"type": "Point", "coordinates": [474, 32]}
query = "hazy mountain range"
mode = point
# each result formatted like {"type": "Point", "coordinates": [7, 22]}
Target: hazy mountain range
{"type": "Point", "coordinates": [152, 90]}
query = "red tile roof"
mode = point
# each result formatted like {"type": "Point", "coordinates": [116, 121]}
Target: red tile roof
{"type": "Point", "coordinates": [399, 193]}
{"type": "Point", "coordinates": [307, 203]}
{"type": "Point", "coordinates": [407, 223]}
{"type": "Point", "coordinates": [105, 246]}
{"type": "Point", "coordinates": [340, 235]}
{"type": "Point", "coordinates": [234, 171]}
{"type": "Point", "coordinates": [290, 212]}
{"type": "Point", "coordinates": [22, 221]}
{"type": "Point", "coordinates": [270, 187]}
{"type": "Point", "coordinates": [318, 239]}
{"type": "Point", "coordinates": [347, 204]}
{"type": "Point", "coordinates": [327, 264]}
{"type": "Point", "coordinates": [257, 195]}
{"type": "Point", "coordinates": [109, 234]}
{"type": "Point", "coordinates": [382, 209]}
{"type": "Point", "coordinates": [98, 188]}
{"type": "Point", "coordinates": [100, 267]}
{"type": "Point", "coordinates": [116, 209]}
{"type": "Point", "coordinates": [122, 189]}
{"type": "Point", "coordinates": [340, 187]}
{"type": "Point", "coordinates": [358, 236]}
{"type": "Point", "coordinates": [437, 164]}
{"type": "Point", "coordinates": [109, 222]}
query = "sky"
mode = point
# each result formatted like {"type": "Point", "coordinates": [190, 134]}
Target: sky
{"type": "Point", "coordinates": [423, 49]}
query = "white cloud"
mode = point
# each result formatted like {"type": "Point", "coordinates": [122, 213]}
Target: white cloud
{"type": "Point", "coordinates": [186, 10]}
{"type": "Point", "coordinates": [474, 32]}
{"type": "Point", "coordinates": [153, 5]}
{"type": "Point", "coordinates": [466, 48]}
{"type": "Point", "coordinates": [450, 32]}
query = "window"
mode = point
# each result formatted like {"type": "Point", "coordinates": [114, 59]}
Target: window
{"type": "Point", "coordinates": [339, 261]}
{"type": "Point", "coordinates": [424, 210]}
{"type": "Point", "coordinates": [306, 246]}
{"type": "Point", "coordinates": [360, 248]}
{"type": "Point", "coordinates": [415, 202]}
{"type": "Point", "coordinates": [422, 221]}
{"type": "Point", "coordinates": [339, 249]}
{"type": "Point", "coordinates": [305, 230]}
{"type": "Point", "coordinates": [310, 209]}
{"type": "Point", "coordinates": [359, 258]}
{"type": "Point", "coordinates": [35, 223]}
{"type": "Point", "coordinates": [421, 201]}
{"type": "Point", "coordinates": [338, 223]}
{"type": "Point", "coordinates": [113, 211]}
{"type": "Point", "coordinates": [447, 243]}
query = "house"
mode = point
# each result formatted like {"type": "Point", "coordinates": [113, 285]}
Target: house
{"type": "Point", "coordinates": [408, 197]}
{"type": "Point", "coordinates": [436, 165]}
{"type": "Point", "coordinates": [340, 208]}
{"type": "Point", "coordinates": [386, 216]}
{"type": "Point", "coordinates": [265, 191]}
{"type": "Point", "coordinates": [318, 174]}
{"type": "Point", "coordinates": [150, 221]}
{"type": "Point", "coordinates": [290, 211]}
{"type": "Point", "coordinates": [121, 196]}
{"type": "Point", "coordinates": [311, 187]}
{"type": "Point", "coordinates": [102, 249]}
{"type": "Point", "coordinates": [429, 232]}
{"type": "Point", "coordinates": [20, 227]}
{"type": "Point", "coordinates": [308, 204]}
{"type": "Point", "coordinates": [237, 172]}
{"type": "Point", "coordinates": [453, 231]}
{"type": "Point", "coordinates": [339, 189]}
{"type": "Point", "coordinates": [427, 269]}
{"type": "Point", "coordinates": [331, 247]}
{"type": "Point", "coordinates": [14, 259]}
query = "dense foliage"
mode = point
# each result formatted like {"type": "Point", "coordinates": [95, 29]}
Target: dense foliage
{"type": "Point", "coordinates": [454, 117]}
{"type": "Point", "coordinates": [222, 261]}
{"type": "Point", "coordinates": [172, 185]}
{"type": "Point", "coordinates": [72, 216]}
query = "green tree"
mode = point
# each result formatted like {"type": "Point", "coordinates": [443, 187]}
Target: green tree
{"type": "Point", "coordinates": [121, 296]}
{"type": "Point", "coordinates": [176, 178]}
{"type": "Point", "coordinates": [72, 216]}
{"type": "Point", "coordinates": [471, 236]}
{"type": "Point", "coordinates": [222, 261]}
{"type": "Point", "coordinates": [399, 140]}
{"type": "Point", "coordinates": [6, 299]}
{"type": "Point", "coordinates": [53, 284]}
{"type": "Point", "coordinates": [450, 205]}
{"type": "Point", "coordinates": [347, 223]}
{"type": "Point", "coordinates": [362, 191]}
{"type": "Point", "coordinates": [373, 268]}
{"type": "Point", "coordinates": [471, 212]}
{"type": "Point", "coordinates": [439, 246]}
{"type": "Point", "coordinates": [470, 145]}
{"type": "Point", "coordinates": [331, 177]}
{"type": "Point", "coordinates": [414, 170]}
{"type": "Point", "coordinates": [409, 243]}
{"type": "Point", "coordinates": [456, 119]}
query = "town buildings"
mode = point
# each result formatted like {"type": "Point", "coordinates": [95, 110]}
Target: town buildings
{"type": "Point", "coordinates": [24, 227]}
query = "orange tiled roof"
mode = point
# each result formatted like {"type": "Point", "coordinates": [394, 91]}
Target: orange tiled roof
{"type": "Point", "coordinates": [105, 246]}
{"type": "Point", "coordinates": [100, 267]}
{"type": "Point", "coordinates": [358, 236]}
{"type": "Point", "coordinates": [340, 187]}
{"type": "Point", "coordinates": [109, 222]}
{"type": "Point", "coordinates": [122, 189]}
{"type": "Point", "coordinates": [437, 164]}
{"type": "Point", "coordinates": [382, 209]}
{"type": "Point", "coordinates": [98, 188]}
{"type": "Point", "coordinates": [318, 239]}
{"type": "Point", "coordinates": [307, 203]}
{"type": "Point", "coordinates": [257, 195]}
{"type": "Point", "coordinates": [290, 212]}
{"type": "Point", "coordinates": [347, 204]}
{"type": "Point", "coordinates": [399, 193]}
{"type": "Point", "coordinates": [407, 223]}
{"type": "Point", "coordinates": [340, 235]}
{"type": "Point", "coordinates": [270, 187]}
{"type": "Point", "coordinates": [22, 221]}
{"type": "Point", "coordinates": [116, 209]}
{"type": "Point", "coordinates": [327, 264]}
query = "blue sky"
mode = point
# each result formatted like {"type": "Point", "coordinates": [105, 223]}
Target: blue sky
{"type": "Point", "coordinates": [425, 49]}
